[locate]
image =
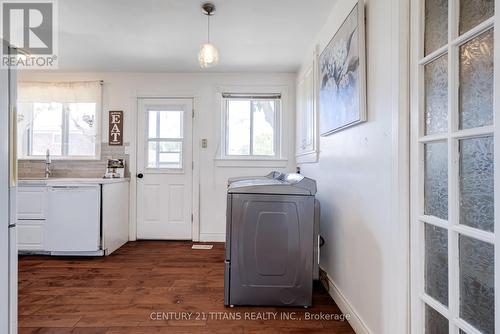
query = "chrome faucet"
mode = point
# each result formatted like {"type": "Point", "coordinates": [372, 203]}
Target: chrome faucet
{"type": "Point", "coordinates": [47, 164]}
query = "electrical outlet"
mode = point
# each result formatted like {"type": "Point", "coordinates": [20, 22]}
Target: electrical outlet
{"type": "Point", "coordinates": [204, 143]}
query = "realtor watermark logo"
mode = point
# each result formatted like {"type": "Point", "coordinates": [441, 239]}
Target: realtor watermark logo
{"type": "Point", "coordinates": [29, 34]}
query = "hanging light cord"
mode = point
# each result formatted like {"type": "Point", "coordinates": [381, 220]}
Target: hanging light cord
{"type": "Point", "coordinates": [208, 30]}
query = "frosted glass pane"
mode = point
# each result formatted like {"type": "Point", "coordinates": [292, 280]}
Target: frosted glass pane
{"type": "Point", "coordinates": [474, 12]}
{"type": "Point", "coordinates": [436, 96]}
{"type": "Point", "coordinates": [476, 284]}
{"type": "Point", "coordinates": [436, 180]}
{"type": "Point", "coordinates": [435, 323]}
{"type": "Point", "coordinates": [476, 183]}
{"type": "Point", "coordinates": [436, 24]}
{"type": "Point", "coordinates": [436, 263]}
{"type": "Point", "coordinates": [476, 82]}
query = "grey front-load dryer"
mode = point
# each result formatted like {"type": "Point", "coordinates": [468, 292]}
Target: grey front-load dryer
{"type": "Point", "coordinates": [270, 241]}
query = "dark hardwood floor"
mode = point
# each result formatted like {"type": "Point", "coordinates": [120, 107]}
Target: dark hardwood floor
{"type": "Point", "coordinates": [120, 294]}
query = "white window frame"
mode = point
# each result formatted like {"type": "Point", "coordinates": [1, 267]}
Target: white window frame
{"type": "Point", "coordinates": [452, 136]}
{"type": "Point", "coordinates": [65, 138]}
{"type": "Point", "coordinates": [225, 97]}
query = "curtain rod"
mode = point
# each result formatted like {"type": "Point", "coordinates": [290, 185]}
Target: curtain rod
{"type": "Point", "coordinates": [60, 82]}
{"type": "Point", "coordinates": [251, 96]}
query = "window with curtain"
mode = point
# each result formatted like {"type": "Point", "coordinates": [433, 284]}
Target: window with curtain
{"type": "Point", "coordinates": [62, 117]}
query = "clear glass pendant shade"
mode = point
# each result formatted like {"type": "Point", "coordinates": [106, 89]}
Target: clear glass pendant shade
{"type": "Point", "coordinates": [208, 56]}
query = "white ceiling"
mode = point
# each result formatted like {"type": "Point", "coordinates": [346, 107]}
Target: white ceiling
{"type": "Point", "coordinates": [165, 35]}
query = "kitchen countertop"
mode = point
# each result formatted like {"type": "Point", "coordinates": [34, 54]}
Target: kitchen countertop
{"type": "Point", "coordinates": [66, 180]}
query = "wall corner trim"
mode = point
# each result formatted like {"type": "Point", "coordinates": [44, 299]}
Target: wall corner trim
{"type": "Point", "coordinates": [345, 306]}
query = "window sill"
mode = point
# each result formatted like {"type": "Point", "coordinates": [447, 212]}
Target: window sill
{"type": "Point", "coordinates": [258, 162]}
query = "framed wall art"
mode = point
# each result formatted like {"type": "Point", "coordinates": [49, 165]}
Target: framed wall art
{"type": "Point", "coordinates": [342, 75]}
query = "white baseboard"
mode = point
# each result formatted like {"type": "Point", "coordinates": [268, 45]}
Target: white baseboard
{"type": "Point", "coordinates": [354, 320]}
{"type": "Point", "coordinates": [213, 237]}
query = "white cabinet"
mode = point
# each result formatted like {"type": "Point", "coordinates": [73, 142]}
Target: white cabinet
{"type": "Point", "coordinates": [306, 147]}
{"type": "Point", "coordinates": [30, 235]}
{"type": "Point", "coordinates": [32, 203]}
{"type": "Point", "coordinates": [115, 209]}
{"type": "Point", "coordinates": [31, 217]}
{"type": "Point", "coordinates": [73, 217]}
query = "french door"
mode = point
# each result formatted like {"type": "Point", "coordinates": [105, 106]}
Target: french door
{"type": "Point", "coordinates": [453, 226]}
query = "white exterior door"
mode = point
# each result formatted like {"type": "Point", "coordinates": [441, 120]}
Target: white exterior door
{"type": "Point", "coordinates": [454, 225]}
{"type": "Point", "coordinates": [164, 169]}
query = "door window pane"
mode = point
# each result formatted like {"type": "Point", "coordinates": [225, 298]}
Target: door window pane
{"type": "Point", "coordinates": [165, 124]}
{"type": "Point", "coordinates": [476, 82]}
{"type": "Point", "coordinates": [436, 263]}
{"type": "Point", "coordinates": [164, 154]}
{"type": "Point", "coordinates": [170, 124]}
{"type": "Point", "coordinates": [435, 323]}
{"type": "Point", "coordinates": [152, 122]}
{"type": "Point", "coordinates": [238, 127]}
{"type": "Point", "coordinates": [473, 12]}
{"type": "Point", "coordinates": [165, 131]}
{"type": "Point", "coordinates": [47, 128]}
{"type": "Point", "coordinates": [169, 160]}
{"type": "Point", "coordinates": [82, 129]}
{"type": "Point", "coordinates": [264, 119]}
{"type": "Point", "coordinates": [476, 183]}
{"type": "Point", "coordinates": [436, 24]}
{"type": "Point", "coordinates": [152, 156]}
{"type": "Point", "coordinates": [170, 146]}
{"type": "Point", "coordinates": [476, 281]}
{"type": "Point", "coordinates": [436, 96]}
{"type": "Point", "coordinates": [170, 154]}
{"type": "Point", "coordinates": [436, 180]}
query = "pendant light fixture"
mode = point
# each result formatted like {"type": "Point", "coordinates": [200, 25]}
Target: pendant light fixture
{"type": "Point", "coordinates": [208, 56]}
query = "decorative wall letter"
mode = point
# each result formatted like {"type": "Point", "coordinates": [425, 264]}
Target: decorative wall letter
{"type": "Point", "coordinates": [115, 128]}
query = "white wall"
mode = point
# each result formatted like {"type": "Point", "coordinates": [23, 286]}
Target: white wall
{"type": "Point", "coordinates": [362, 180]}
{"type": "Point", "coordinates": [122, 89]}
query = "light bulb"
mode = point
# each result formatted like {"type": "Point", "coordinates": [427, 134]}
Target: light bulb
{"type": "Point", "coordinates": [208, 56]}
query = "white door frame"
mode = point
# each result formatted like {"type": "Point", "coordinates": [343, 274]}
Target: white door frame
{"type": "Point", "coordinates": [195, 205]}
{"type": "Point", "coordinates": [418, 297]}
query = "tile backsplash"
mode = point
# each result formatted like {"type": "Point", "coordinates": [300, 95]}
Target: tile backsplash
{"type": "Point", "coordinates": [74, 168]}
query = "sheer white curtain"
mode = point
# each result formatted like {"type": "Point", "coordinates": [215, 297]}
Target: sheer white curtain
{"type": "Point", "coordinates": [62, 92]}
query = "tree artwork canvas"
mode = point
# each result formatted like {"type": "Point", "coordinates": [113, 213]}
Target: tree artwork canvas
{"type": "Point", "coordinates": [342, 76]}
